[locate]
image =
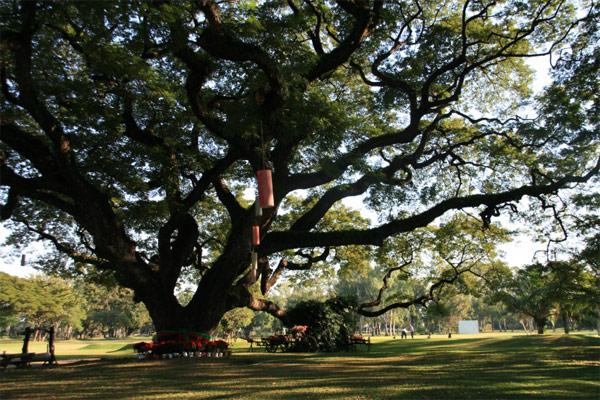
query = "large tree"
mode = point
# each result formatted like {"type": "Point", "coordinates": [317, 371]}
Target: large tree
{"type": "Point", "coordinates": [131, 129]}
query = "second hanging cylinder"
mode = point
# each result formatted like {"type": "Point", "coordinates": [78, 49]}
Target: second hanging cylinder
{"type": "Point", "coordinates": [255, 235]}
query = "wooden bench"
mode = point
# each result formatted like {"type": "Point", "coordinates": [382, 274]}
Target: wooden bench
{"type": "Point", "coordinates": [271, 344]}
{"type": "Point", "coordinates": [45, 358]}
{"type": "Point", "coordinates": [16, 359]}
{"type": "Point", "coordinates": [359, 340]}
{"type": "Point", "coordinates": [25, 358]}
{"type": "Point", "coordinates": [21, 360]}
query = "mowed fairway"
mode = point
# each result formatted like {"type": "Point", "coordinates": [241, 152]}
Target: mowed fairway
{"type": "Point", "coordinates": [475, 367]}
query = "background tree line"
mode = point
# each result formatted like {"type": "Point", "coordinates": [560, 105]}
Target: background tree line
{"type": "Point", "coordinates": [73, 307]}
{"type": "Point", "coordinates": [554, 295]}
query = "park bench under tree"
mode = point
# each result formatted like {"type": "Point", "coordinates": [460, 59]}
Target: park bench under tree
{"type": "Point", "coordinates": [25, 358]}
{"type": "Point", "coordinates": [355, 340]}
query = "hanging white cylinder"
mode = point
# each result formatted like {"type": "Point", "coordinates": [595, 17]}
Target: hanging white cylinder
{"type": "Point", "coordinates": [254, 260]}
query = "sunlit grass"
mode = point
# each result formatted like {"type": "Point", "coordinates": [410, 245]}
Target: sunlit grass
{"type": "Point", "coordinates": [76, 349]}
{"type": "Point", "coordinates": [465, 367]}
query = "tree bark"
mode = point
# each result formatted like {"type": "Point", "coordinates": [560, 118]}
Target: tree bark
{"type": "Point", "coordinates": [565, 319]}
{"type": "Point", "coordinates": [168, 314]}
{"type": "Point", "coordinates": [523, 324]}
{"type": "Point", "coordinates": [540, 323]}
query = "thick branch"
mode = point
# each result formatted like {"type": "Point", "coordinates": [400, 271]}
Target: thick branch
{"type": "Point", "coordinates": [29, 97]}
{"type": "Point", "coordinates": [234, 208]}
{"type": "Point", "coordinates": [7, 209]}
{"type": "Point", "coordinates": [35, 188]}
{"type": "Point", "coordinates": [69, 251]}
{"type": "Point", "coordinates": [30, 147]}
{"type": "Point", "coordinates": [200, 187]}
{"type": "Point", "coordinates": [267, 306]}
{"type": "Point", "coordinates": [279, 241]}
{"type": "Point", "coordinates": [174, 253]}
{"type": "Point", "coordinates": [339, 166]}
{"type": "Point", "coordinates": [133, 130]}
{"type": "Point", "coordinates": [365, 22]}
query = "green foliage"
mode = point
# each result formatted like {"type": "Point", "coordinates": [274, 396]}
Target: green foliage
{"type": "Point", "coordinates": [111, 311]}
{"type": "Point", "coordinates": [327, 322]}
{"type": "Point", "coordinates": [40, 302]}
{"type": "Point", "coordinates": [537, 290]}
{"type": "Point", "coordinates": [71, 307]}
{"type": "Point", "coordinates": [528, 292]}
{"type": "Point", "coordinates": [235, 321]}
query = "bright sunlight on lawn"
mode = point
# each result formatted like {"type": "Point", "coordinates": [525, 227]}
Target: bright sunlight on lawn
{"type": "Point", "coordinates": [500, 366]}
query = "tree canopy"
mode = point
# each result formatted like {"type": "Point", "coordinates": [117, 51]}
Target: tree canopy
{"type": "Point", "coordinates": [71, 307]}
{"type": "Point", "coordinates": [132, 131]}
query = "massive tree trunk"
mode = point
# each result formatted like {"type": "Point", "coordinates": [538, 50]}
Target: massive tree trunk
{"type": "Point", "coordinates": [566, 321]}
{"type": "Point", "coordinates": [540, 323]}
{"type": "Point", "coordinates": [216, 294]}
{"type": "Point", "coordinates": [170, 315]}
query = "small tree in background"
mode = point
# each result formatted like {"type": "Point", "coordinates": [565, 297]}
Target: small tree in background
{"type": "Point", "coordinates": [40, 302]}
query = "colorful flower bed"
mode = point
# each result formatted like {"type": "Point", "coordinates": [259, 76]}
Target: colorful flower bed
{"type": "Point", "coordinates": [171, 344]}
{"type": "Point", "coordinates": [299, 329]}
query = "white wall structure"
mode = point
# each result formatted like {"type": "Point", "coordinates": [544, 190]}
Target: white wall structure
{"type": "Point", "coordinates": [468, 326]}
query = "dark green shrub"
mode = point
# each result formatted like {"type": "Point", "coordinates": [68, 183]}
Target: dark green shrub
{"type": "Point", "coordinates": [327, 323]}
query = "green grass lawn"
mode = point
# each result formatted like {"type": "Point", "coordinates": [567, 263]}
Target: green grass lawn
{"type": "Point", "coordinates": [500, 366]}
{"type": "Point", "coordinates": [77, 349]}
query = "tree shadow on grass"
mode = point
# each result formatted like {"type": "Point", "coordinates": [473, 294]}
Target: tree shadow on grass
{"type": "Point", "coordinates": [453, 369]}
{"type": "Point", "coordinates": [127, 347]}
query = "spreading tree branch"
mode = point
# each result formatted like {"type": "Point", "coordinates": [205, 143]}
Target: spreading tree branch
{"type": "Point", "coordinates": [276, 241]}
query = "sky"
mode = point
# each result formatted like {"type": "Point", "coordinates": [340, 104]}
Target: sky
{"type": "Point", "coordinates": [519, 252]}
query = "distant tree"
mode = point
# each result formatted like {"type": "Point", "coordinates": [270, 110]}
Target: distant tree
{"type": "Point", "coordinates": [487, 309]}
{"type": "Point", "coordinates": [111, 311]}
{"type": "Point", "coordinates": [262, 324]}
{"type": "Point", "coordinates": [538, 289]}
{"type": "Point", "coordinates": [528, 293]}
{"type": "Point", "coordinates": [12, 303]}
{"type": "Point", "coordinates": [41, 302]}
{"type": "Point", "coordinates": [573, 290]}
{"type": "Point", "coordinates": [234, 322]}
{"type": "Point", "coordinates": [424, 266]}
{"type": "Point", "coordinates": [588, 225]}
